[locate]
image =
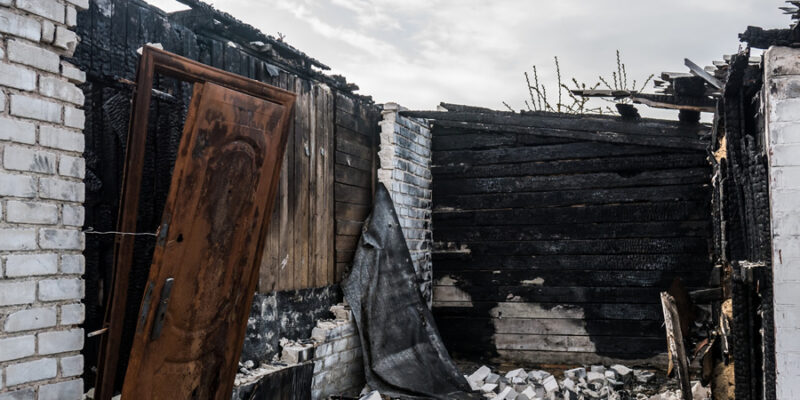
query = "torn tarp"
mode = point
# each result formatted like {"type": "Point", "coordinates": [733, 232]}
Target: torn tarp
{"type": "Point", "coordinates": [404, 356]}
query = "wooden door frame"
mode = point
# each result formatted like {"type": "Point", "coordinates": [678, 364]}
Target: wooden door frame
{"type": "Point", "coordinates": [154, 60]}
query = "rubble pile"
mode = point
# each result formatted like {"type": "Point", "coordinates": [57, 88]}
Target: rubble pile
{"type": "Point", "coordinates": [596, 382]}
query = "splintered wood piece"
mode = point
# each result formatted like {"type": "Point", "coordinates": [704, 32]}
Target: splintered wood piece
{"type": "Point", "coordinates": [678, 360]}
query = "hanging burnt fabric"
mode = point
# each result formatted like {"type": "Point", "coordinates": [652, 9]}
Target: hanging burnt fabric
{"type": "Point", "coordinates": [204, 271]}
{"type": "Point", "coordinates": [404, 356]}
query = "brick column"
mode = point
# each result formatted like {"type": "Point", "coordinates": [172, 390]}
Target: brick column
{"type": "Point", "coordinates": [782, 103]}
{"type": "Point", "coordinates": [405, 169]}
{"type": "Point", "coordinates": [41, 196]}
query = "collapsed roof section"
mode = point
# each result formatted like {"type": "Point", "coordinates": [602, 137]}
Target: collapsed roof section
{"type": "Point", "coordinates": [202, 17]}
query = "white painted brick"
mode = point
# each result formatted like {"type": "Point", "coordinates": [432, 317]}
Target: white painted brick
{"type": "Point", "coordinates": [22, 394]}
{"type": "Point", "coordinates": [66, 39]}
{"type": "Point", "coordinates": [60, 341]}
{"type": "Point", "coordinates": [61, 289]}
{"type": "Point", "coordinates": [58, 189]}
{"type": "Point", "coordinates": [60, 89]}
{"type": "Point", "coordinates": [18, 265]}
{"type": "Point", "coordinates": [48, 32]}
{"type": "Point", "coordinates": [71, 17]}
{"type": "Point", "coordinates": [50, 9]}
{"type": "Point", "coordinates": [16, 347]}
{"type": "Point", "coordinates": [59, 138]}
{"type": "Point", "coordinates": [19, 25]}
{"type": "Point", "coordinates": [17, 131]}
{"type": "Point", "coordinates": [29, 107]}
{"type": "Point", "coordinates": [26, 159]}
{"type": "Point", "coordinates": [82, 4]}
{"type": "Point", "coordinates": [72, 314]}
{"type": "Point", "coordinates": [34, 56]}
{"type": "Point", "coordinates": [70, 390]}
{"type": "Point", "coordinates": [72, 166]}
{"type": "Point", "coordinates": [71, 366]}
{"type": "Point", "coordinates": [34, 318]}
{"type": "Point", "coordinates": [784, 133]}
{"type": "Point", "coordinates": [31, 371]}
{"type": "Point", "coordinates": [67, 239]}
{"type": "Point", "coordinates": [17, 185]}
{"type": "Point", "coordinates": [2, 101]}
{"type": "Point", "coordinates": [17, 77]}
{"type": "Point", "coordinates": [73, 215]}
{"type": "Point", "coordinates": [74, 118]}
{"type": "Point", "coordinates": [13, 293]}
{"type": "Point", "coordinates": [17, 239]}
{"type": "Point", "coordinates": [31, 212]}
{"type": "Point", "coordinates": [72, 72]}
{"type": "Point", "coordinates": [73, 264]}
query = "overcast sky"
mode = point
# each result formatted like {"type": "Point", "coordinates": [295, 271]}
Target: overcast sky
{"type": "Point", "coordinates": [421, 52]}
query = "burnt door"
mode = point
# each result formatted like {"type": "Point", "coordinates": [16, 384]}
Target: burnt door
{"type": "Point", "coordinates": [205, 267]}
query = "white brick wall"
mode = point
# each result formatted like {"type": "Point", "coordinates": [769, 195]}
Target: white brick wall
{"type": "Point", "coordinates": [782, 108]}
{"type": "Point", "coordinates": [41, 195]}
{"type": "Point", "coordinates": [338, 360]}
{"type": "Point", "coordinates": [405, 161]}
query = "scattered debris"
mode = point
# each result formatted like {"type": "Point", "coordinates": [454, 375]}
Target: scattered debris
{"type": "Point", "coordinates": [595, 382]}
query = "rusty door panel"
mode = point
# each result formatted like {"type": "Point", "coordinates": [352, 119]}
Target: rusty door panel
{"type": "Point", "coordinates": [209, 244]}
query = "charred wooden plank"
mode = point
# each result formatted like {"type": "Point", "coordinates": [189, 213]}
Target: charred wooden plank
{"type": "Point", "coordinates": [645, 127]}
{"type": "Point", "coordinates": [592, 136]}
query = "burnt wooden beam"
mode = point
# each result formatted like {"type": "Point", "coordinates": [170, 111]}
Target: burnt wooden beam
{"type": "Point", "coordinates": [596, 136]}
{"type": "Point", "coordinates": [759, 38]}
{"type": "Point", "coordinates": [699, 104]}
{"type": "Point", "coordinates": [585, 123]}
{"type": "Point", "coordinates": [699, 71]}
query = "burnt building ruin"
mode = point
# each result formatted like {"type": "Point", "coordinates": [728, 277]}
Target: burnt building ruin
{"type": "Point", "coordinates": [535, 239]}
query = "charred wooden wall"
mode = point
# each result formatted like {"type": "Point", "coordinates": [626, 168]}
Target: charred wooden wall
{"type": "Point", "coordinates": [742, 230]}
{"type": "Point", "coordinates": [555, 234]}
{"type": "Point", "coordinates": [326, 177]}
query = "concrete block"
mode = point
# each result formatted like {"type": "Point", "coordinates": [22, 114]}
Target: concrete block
{"type": "Point", "coordinates": [60, 341]}
{"type": "Point", "coordinates": [16, 130]}
{"type": "Point", "coordinates": [73, 215]}
{"type": "Point", "coordinates": [71, 366]}
{"type": "Point", "coordinates": [65, 239]}
{"type": "Point", "coordinates": [73, 314]}
{"type": "Point", "coordinates": [70, 390]}
{"type": "Point", "coordinates": [17, 77]}
{"type": "Point", "coordinates": [66, 39]}
{"type": "Point", "coordinates": [50, 9]}
{"type": "Point", "coordinates": [59, 138]}
{"type": "Point", "coordinates": [74, 118]}
{"type": "Point", "coordinates": [73, 264]}
{"type": "Point", "coordinates": [34, 108]}
{"type": "Point", "coordinates": [780, 61]}
{"type": "Point", "coordinates": [48, 32]}
{"type": "Point", "coordinates": [22, 265]}
{"type": "Point", "coordinates": [34, 318]}
{"type": "Point", "coordinates": [60, 89]}
{"type": "Point", "coordinates": [25, 159]}
{"type": "Point", "coordinates": [20, 25]}
{"type": "Point", "coordinates": [480, 374]}
{"type": "Point", "coordinates": [82, 4]}
{"type": "Point", "coordinates": [61, 289]}
{"type": "Point", "coordinates": [17, 186]}
{"type": "Point", "coordinates": [71, 18]}
{"type": "Point", "coordinates": [17, 239]}
{"type": "Point", "coordinates": [72, 72]}
{"type": "Point", "coordinates": [14, 293]}
{"type": "Point", "coordinates": [34, 56]}
{"type": "Point", "coordinates": [12, 348]}
{"type": "Point", "coordinates": [31, 371]}
{"type": "Point", "coordinates": [74, 167]}
{"type": "Point", "coordinates": [22, 394]}
{"type": "Point", "coordinates": [59, 189]}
